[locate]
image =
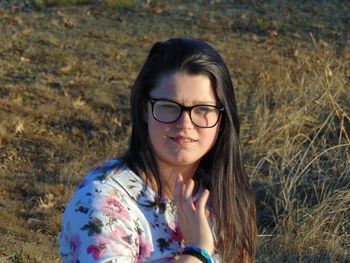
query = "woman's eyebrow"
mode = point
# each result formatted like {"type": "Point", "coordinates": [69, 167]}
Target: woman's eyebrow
{"type": "Point", "coordinates": [195, 102]}
{"type": "Point", "coordinates": [204, 102]}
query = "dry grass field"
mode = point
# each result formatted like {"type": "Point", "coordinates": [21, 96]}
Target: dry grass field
{"type": "Point", "coordinates": [66, 68]}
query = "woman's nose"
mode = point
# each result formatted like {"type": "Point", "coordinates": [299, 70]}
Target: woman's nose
{"type": "Point", "coordinates": [185, 120]}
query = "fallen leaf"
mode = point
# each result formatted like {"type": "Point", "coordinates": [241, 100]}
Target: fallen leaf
{"type": "Point", "coordinates": [27, 31]}
{"type": "Point", "coordinates": [3, 169]}
{"type": "Point", "coordinates": [15, 21]}
{"type": "Point", "coordinates": [60, 188]}
{"type": "Point", "coordinates": [19, 127]}
{"type": "Point", "coordinates": [157, 10]}
{"type": "Point", "coordinates": [92, 11]}
{"type": "Point", "coordinates": [347, 55]}
{"type": "Point", "coordinates": [60, 14]}
{"type": "Point", "coordinates": [70, 22]}
{"type": "Point", "coordinates": [117, 122]}
{"type": "Point", "coordinates": [24, 59]}
{"type": "Point", "coordinates": [66, 69]}
{"type": "Point", "coordinates": [272, 33]}
{"type": "Point", "coordinates": [47, 201]}
{"type": "Point", "coordinates": [254, 38]}
{"type": "Point", "coordinates": [78, 102]}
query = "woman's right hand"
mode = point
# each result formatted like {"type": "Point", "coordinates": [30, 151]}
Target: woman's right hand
{"type": "Point", "coordinates": [192, 216]}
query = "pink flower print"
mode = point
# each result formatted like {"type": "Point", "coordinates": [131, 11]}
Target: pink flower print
{"type": "Point", "coordinates": [175, 232]}
{"type": "Point", "coordinates": [119, 234]}
{"type": "Point", "coordinates": [97, 250]}
{"type": "Point", "coordinates": [145, 249]}
{"type": "Point", "coordinates": [113, 243]}
{"type": "Point", "coordinates": [75, 244]}
{"type": "Point", "coordinates": [111, 207]}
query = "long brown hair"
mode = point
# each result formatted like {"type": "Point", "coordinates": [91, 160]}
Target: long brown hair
{"type": "Point", "coordinates": [231, 198]}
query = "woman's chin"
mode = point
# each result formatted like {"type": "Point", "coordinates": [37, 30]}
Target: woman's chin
{"type": "Point", "coordinates": [183, 159]}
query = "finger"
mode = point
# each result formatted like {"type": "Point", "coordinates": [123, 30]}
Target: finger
{"type": "Point", "coordinates": [202, 201]}
{"type": "Point", "coordinates": [189, 189]}
{"type": "Point", "coordinates": [179, 190]}
{"type": "Point", "coordinates": [187, 197]}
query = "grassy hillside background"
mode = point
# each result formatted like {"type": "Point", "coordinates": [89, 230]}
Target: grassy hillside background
{"type": "Point", "coordinates": [66, 68]}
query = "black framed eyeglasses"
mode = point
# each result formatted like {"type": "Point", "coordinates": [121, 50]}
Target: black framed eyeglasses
{"type": "Point", "coordinates": [201, 115]}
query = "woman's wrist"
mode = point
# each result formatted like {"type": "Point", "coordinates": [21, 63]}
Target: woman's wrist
{"type": "Point", "coordinates": [199, 253]}
{"type": "Point", "coordinates": [208, 248]}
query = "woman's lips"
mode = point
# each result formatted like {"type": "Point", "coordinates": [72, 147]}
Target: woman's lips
{"type": "Point", "coordinates": [183, 140]}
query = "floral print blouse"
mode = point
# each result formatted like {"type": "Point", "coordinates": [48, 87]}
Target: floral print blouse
{"type": "Point", "coordinates": [112, 218]}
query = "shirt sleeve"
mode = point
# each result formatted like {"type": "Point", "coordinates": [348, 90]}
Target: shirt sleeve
{"type": "Point", "coordinates": [98, 226]}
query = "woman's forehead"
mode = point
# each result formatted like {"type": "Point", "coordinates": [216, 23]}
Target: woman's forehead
{"type": "Point", "coordinates": [184, 87]}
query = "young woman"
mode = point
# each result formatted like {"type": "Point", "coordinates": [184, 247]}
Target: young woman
{"type": "Point", "coordinates": [180, 192]}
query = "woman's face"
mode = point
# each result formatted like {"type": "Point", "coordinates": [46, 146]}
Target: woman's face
{"type": "Point", "coordinates": [182, 143]}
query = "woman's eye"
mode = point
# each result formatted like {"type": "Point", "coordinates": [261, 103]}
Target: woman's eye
{"type": "Point", "coordinates": [168, 106]}
{"type": "Point", "coordinates": [203, 109]}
